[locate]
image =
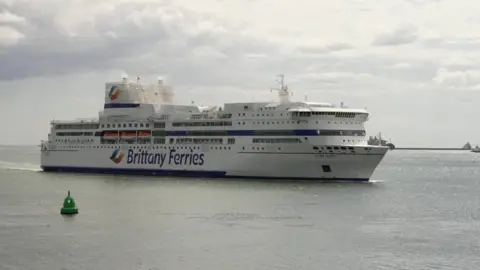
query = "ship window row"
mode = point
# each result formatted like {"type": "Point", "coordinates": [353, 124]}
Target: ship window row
{"type": "Point", "coordinates": [201, 124]}
{"type": "Point", "coordinates": [74, 134]}
{"type": "Point", "coordinates": [163, 117]}
{"type": "Point", "coordinates": [127, 133]}
{"type": "Point", "coordinates": [336, 114]}
{"type": "Point", "coordinates": [125, 125]}
{"type": "Point", "coordinates": [342, 132]}
{"type": "Point", "coordinates": [277, 140]}
{"type": "Point", "coordinates": [225, 116]}
{"type": "Point", "coordinates": [258, 115]}
{"type": "Point", "coordinates": [144, 147]}
{"type": "Point", "coordinates": [159, 140]}
{"type": "Point", "coordinates": [125, 140]}
{"type": "Point", "coordinates": [159, 133]}
{"type": "Point", "coordinates": [274, 133]}
{"type": "Point", "coordinates": [75, 141]}
{"type": "Point", "coordinates": [159, 125]}
{"type": "Point", "coordinates": [226, 133]}
{"type": "Point", "coordinates": [199, 141]}
{"type": "Point", "coordinates": [76, 126]}
{"type": "Point", "coordinates": [206, 116]}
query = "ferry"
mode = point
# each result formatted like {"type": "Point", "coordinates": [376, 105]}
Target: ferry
{"type": "Point", "coordinates": [141, 131]}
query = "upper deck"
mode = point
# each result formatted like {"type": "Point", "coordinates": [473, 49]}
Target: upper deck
{"type": "Point", "coordinates": [134, 106]}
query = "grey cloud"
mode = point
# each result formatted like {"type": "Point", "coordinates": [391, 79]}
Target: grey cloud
{"type": "Point", "coordinates": [139, 37]}
{"type": "Point", "coordinates": [416, 71]}
{"type": "Point", "coordinates": [458, 44]}
{"type": "Point", "coordinates": [9, 18]}
{"type": "Point", "coordinates": [326, 49]}
{"type": "Point", "coordinates": [192, 48]}
{"type": "Point", "coordinates": [458, 79]}
{"type": "Point", "coordinates": [402, 35]}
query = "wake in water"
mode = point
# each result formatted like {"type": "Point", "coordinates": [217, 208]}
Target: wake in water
{"type": "Point", "coordinates": [18, 166]}
{"type": "Point", "coordinates": [376, 181]}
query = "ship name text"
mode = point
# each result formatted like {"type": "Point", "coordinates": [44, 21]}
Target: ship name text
{"type": "Point", "coordinates": [172, 157]}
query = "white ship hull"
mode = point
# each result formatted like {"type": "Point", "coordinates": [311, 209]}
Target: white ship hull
{"type": "Point", "coordinates": [141, 131]}
{"type": "Point", "coordinates": [357, 166]}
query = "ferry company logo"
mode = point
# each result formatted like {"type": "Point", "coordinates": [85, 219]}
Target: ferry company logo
{"type": "Point", "coordinates": [117, 156]}
{"type": "Point", "coordinates": [114, 92]}
{"type": "Point", "coordinates": [172, 157]}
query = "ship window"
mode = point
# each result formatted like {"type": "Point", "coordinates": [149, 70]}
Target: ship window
{"type": "Point", "coordinates": [198, 124]}
{"type": "Point", "coordinates": [326, 168]}
{"type": "Point", "coordinates": [159, 125]}
{"type": "Point", "coordinates": [135, 125]}
{"type": "Point", "coordinates": [276, 140]}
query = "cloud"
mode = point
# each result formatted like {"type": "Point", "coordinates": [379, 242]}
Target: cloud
{"type": "Point", "coordinates": [402, 65]}
{"type": "Point", "coordinates": [9, 36]}
{"type": "Point", "coordinates": [334, 77]}
{"type": "Point", "coordinates": [109, 35]}
{"type": "Point", "coordinates": [454, 43]}
{"type": "Point", "coordinates": [6, 17]}
{"type": "Point", "coordinates": [458, 79]}
{"type": "Point", "coordinates": [404, 34]}
{"type": "Point", "coordinates": [333, 47]}
{"type": "Point", "coordinates": [224, 42]}
{"type": "Point", "coordinates": [213, 43]}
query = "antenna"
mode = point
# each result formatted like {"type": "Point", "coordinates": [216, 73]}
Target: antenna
{"type": "Point", "coordinates": [281, 76]}
{"type": "Point", "coordinates": [283, 90]}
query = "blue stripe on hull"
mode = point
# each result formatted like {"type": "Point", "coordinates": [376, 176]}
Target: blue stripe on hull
{"type": "Point", "coordinates": [184, 173]}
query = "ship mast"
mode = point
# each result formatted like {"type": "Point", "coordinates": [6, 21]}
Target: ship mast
{"type": "Point", "coordinates": [283, 92]}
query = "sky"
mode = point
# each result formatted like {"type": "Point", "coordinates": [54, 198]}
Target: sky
{"type": "Point", "coordinates": [413, 64]}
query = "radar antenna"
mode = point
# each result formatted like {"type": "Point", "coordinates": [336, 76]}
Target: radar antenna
{"type": "Point", "coordinates": [283, 92]}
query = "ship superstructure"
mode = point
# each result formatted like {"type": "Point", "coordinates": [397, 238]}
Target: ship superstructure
{"type": "Point", "coordinates": [141, 131]}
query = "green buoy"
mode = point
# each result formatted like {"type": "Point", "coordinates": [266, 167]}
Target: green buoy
{"type": "Point", "coordinates": [69, 207]}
